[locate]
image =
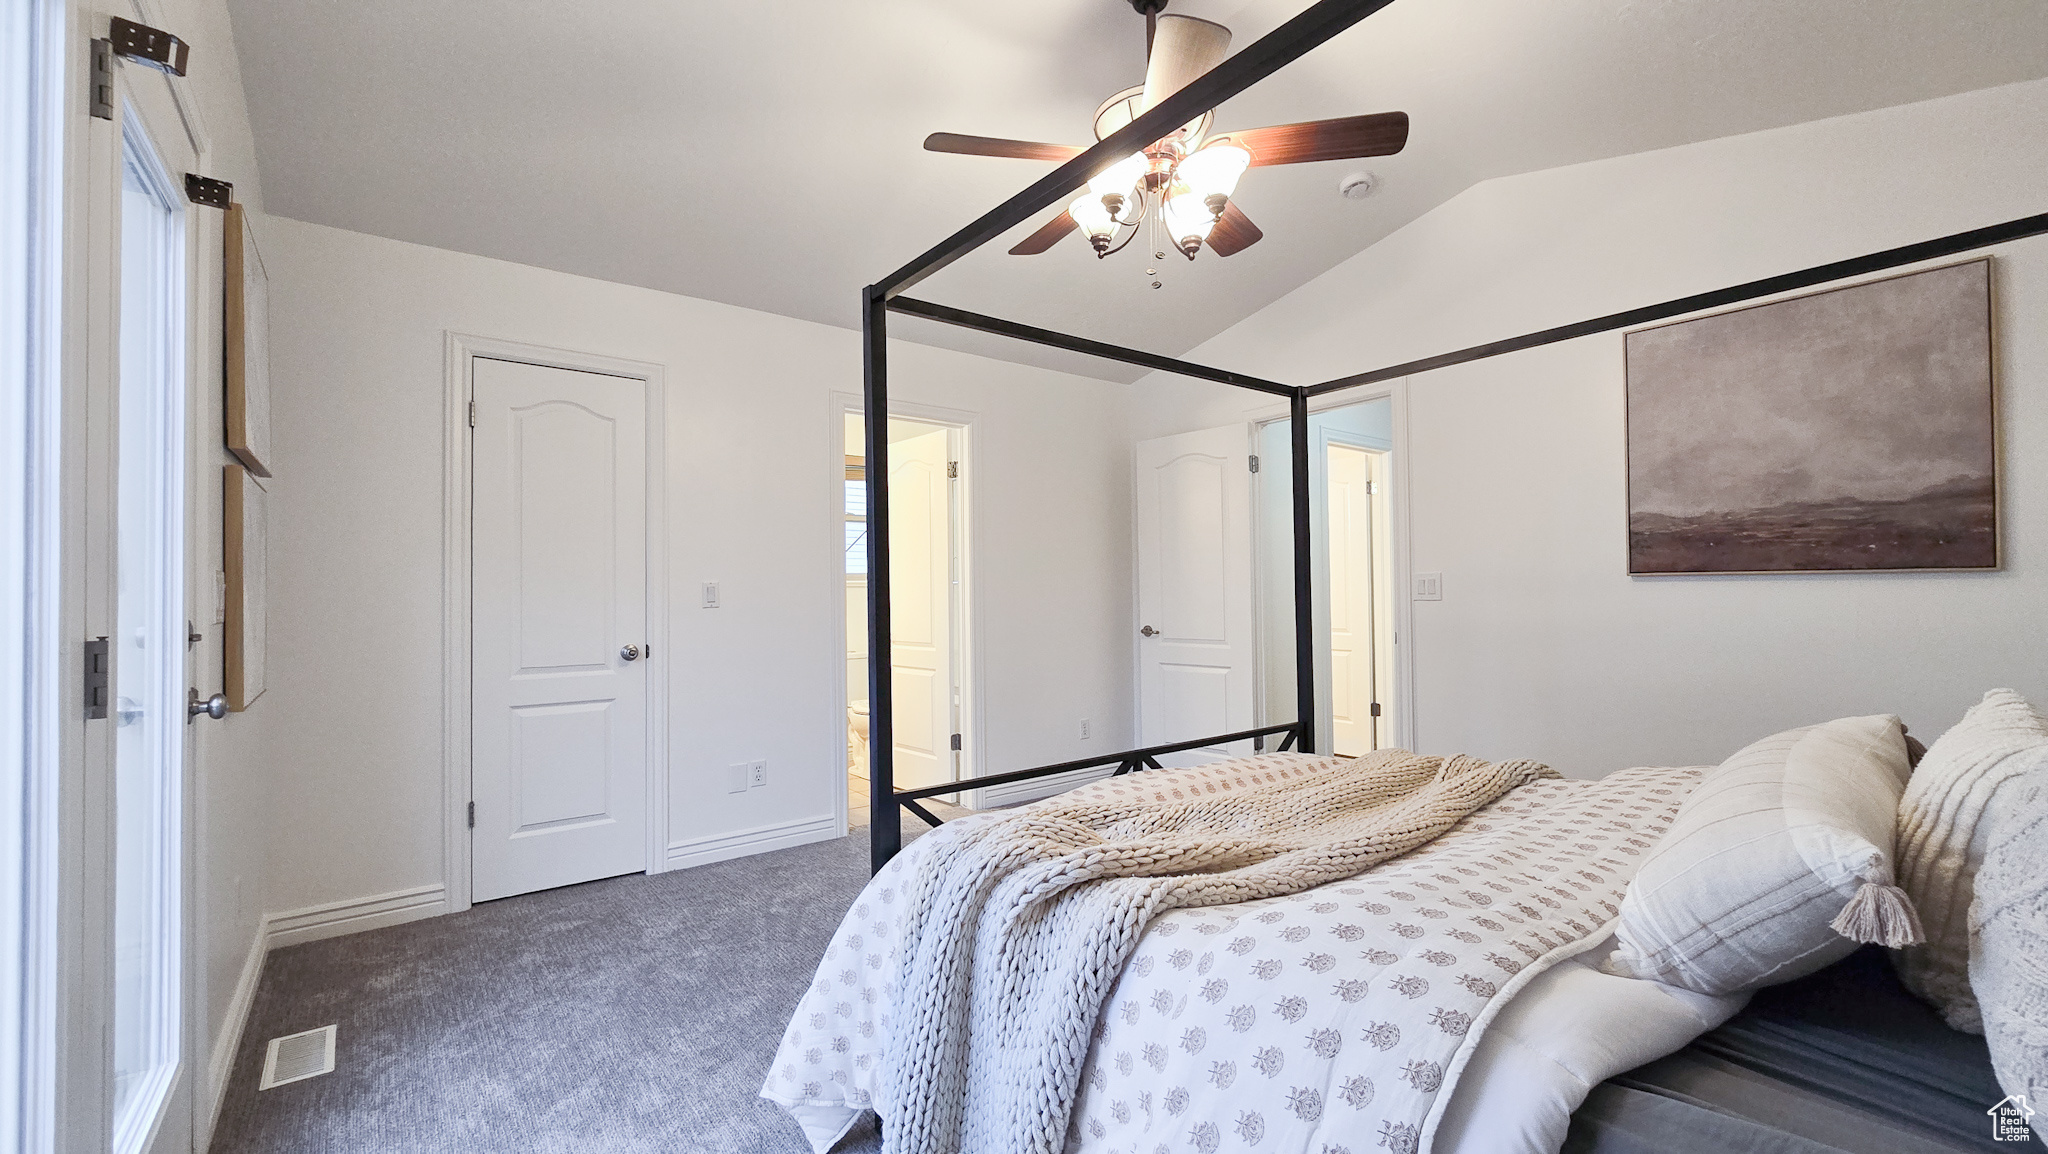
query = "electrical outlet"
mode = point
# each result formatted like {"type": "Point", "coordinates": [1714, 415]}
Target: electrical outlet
{"type": "Point", "coordinates": [757, 773]}
{"type": "Point", "coordinates": [736, 777]}
{"type": "Point", "coordinates": [1429, 587]}
{"type": "Point", "coordinates": [1084, 729]}
{"type": "Point", "coordinates": [711, 595]}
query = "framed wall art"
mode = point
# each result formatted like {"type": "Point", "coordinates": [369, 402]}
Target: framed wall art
{"type": "Point", "coordinates": [245, 524]}
{"type": "Point", "coordinates": [1847, 430]}
{"type": "Point", "coordinates": [247, 355]}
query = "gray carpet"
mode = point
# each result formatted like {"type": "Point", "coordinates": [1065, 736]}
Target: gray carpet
{"type": "Point", "coordinates": [634, 1014]}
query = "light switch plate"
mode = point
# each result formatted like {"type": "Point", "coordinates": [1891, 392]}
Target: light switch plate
{"type": "Point", "coordinates": [1429, 587]}
{"type": "Point", "coordinates": [711, 595]}
{"type": "Point", "coordinates": [736, 776]}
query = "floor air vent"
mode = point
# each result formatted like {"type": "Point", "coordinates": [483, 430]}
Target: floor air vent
{"type": "Point", "coordinates": [296, 1057]}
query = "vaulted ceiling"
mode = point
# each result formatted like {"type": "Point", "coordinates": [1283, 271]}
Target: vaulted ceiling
{"type": "Point", "coordinates": [767, 153]}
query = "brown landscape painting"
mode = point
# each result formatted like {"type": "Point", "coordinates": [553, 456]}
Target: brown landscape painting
{"type": "Point", "coordinates": [1847, 430]}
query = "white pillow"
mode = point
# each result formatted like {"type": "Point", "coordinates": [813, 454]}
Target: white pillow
{"type": "Point", "coordinates": [1776, 866]}
{"type": "Point", "coordinates": [2009, 944]}
{"type": "Point", "coordinates": [1972, 771]}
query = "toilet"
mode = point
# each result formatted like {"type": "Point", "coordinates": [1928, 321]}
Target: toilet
{"type": "Point", "coordinates": [857, 737]}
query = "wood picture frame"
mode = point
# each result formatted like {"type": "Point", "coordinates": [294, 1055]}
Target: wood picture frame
{"type": "Point", "coordinates": [1851, 430]}
{"type": "Point", "coordinates": [246, 356]}
{"type": "Point", "coordinates": [246, 539]}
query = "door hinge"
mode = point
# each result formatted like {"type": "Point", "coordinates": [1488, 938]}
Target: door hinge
{"type": "Point", "coordinates": [1375, 709]}
{"type": "Point", "coordinates": [100, 93]}
{"type": "Point", "coordinates": [1255, 462]}
{"type": "Point", "coordinates": [152, 46]}
{"type": "Point", "coordinates": [1371, 487]}
{"type": "Point", "coordinates": [472, 815]}
{"type": "Point", "coordinates": [952, 468]}
{"type": "Point", "coordinates": [956, 741]}
{"type": "Point", "coordinates": [98, 678]}
{"type": "Point", "coordinates": [472, 414]}
{"type": "Point", "coordinates": [208, 191]}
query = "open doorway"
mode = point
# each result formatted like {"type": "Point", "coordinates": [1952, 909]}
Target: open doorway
{"type": "Point", "coordinates": [1351, 474]}
{"type": "Point", "coordinates": [928, 591]}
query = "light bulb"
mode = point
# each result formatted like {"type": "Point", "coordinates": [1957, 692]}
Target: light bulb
{"type": "Point", "coordinates": [1213, 171]}
{"type": "Point", "coordinates": [1094, 219]}
{"type": "Point", "coordinates": [1188, 220]}
{"type": "Point", "coordinates": [1112, 186]}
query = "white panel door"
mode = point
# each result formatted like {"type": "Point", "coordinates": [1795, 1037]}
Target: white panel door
{"type": "Point", "coordinates": [1351, 534]}
{"type": "Point", "coordinates": [920, 602]}
{"type": "Point", "coordinates": [1196, 649]}
{"type": "Point", "coordinates": [559, 583]}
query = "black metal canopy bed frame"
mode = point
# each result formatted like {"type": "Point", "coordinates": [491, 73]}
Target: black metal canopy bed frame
{"type": "Point", "coordinates": [1317, 24]}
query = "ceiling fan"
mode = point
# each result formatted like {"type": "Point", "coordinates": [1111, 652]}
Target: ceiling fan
{"type": "Point", "coordinates": [1182, 183]}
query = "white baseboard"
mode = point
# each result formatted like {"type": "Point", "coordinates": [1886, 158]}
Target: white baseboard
{"type": "Point", "coordinates": [220, 1065]}
{"type": "Point", "coordinates": [354, 915]}
{"type": "Point", "coordinates": [1031, 789]}
{"type": "Point", "coordinates": [760, 839]}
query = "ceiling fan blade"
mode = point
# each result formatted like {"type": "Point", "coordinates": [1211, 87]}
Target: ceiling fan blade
{"type": "Point", "coordinates": [1048, 234]}
{"type": "Point", "coordinates": [1375, 134]}
{"type": "Point", "coordinates": [1233, 232]}
{"type": "Point", "coordinates": [998, 146]}
{"type": "Point", "coordinates": [1183, 47]}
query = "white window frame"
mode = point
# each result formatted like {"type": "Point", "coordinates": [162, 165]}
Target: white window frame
{"type": "Point", "coordinates": [32, 656]}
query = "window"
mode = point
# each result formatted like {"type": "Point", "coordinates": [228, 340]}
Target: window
{"type": "Point", "coordinates": [147, 645]}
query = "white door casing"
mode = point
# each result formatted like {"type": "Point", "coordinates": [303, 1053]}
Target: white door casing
{"type": "Point", "coordinates": [1196, 669]}
{"type": "Point", "coordinates": [1352, 643]}
{"type": "Point", "coordinates": [921, 608]}
{"type": "Point", "coordinates": [559, 589]}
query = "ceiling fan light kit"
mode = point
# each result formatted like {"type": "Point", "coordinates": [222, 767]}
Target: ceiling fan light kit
{"type": "Point", "coordinates": [1182, 183]}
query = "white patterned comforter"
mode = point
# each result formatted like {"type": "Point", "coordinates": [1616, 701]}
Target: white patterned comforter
{"type": "Point", "coordinates": [1333, 1021]}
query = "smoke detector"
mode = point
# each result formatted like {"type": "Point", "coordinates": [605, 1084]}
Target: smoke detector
{"type": "Point", "coordinates": [1358, 185]}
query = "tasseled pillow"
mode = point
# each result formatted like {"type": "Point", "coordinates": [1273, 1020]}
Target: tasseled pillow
{"type": "Point", "coordinates": [1778, 864]}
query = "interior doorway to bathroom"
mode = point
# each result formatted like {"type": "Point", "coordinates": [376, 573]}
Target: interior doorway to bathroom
{"type": "Point", "coordinates": [928, 591]}
{"type": "Point", "coordinates": [1351, 467]}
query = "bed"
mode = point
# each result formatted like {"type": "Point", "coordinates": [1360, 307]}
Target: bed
{"type": "Point", "coordinates": [1455, 998]}
{"type": "Point", "coordinates": [1335, 1019]}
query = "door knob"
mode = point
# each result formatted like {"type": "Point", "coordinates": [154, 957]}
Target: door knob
{"type": "Point", "coordinates": [215, 707]}
{"type": "Point", "coordinates": [629, 652]}
{"type": "Point", "coordinates": [1149, 631]}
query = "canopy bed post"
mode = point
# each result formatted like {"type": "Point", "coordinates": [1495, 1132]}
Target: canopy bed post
{"type": "Point", "coordinates": [1304, 581]}
{"type": "Point", "coordinates": [885, 825]}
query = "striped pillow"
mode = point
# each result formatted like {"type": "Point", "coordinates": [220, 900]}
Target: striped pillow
{"type": "Point", "coordinates": [1776, 866]}
{"type": "Point", "coordinates": [1969, 774]}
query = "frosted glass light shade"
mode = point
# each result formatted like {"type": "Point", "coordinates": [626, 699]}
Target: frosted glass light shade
{"type": "Point", "coordinates": [1119, 178]}
{"type": "Point", "coordinates": [1088, 212]}
{"type": "Point", "coordinates": [1187, 219]}
{"type": "Point", "coordinates": [1214, 170]}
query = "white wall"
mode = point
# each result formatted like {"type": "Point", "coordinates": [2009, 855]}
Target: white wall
{"type": "Point", "coordinates": [1543, 646]}
{"type": "Point", "coordinates": [358, 373]}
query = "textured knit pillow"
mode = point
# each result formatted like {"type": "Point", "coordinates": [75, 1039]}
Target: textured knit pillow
{"type": "Point", "coordinates": [1970, 772]}
{"type": "Point", "coordinates": [2009, 943]}
{"type": "Point", "coordinates": [1776, 866]}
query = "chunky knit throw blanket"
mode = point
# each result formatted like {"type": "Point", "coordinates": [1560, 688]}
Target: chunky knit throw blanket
{"type": "Point", "coordinates": [1016, 928]}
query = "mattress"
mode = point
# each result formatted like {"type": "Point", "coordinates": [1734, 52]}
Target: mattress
{"type": "Point", "coordinates": [1843, 1060]}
